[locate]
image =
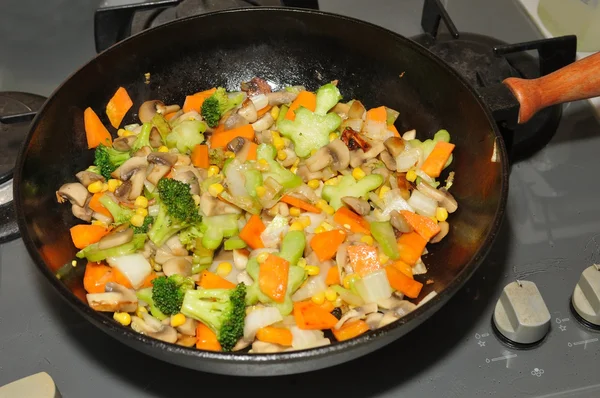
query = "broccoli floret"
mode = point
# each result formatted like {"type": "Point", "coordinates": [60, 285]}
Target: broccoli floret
{"type": "Point", "coordinates": [186, 135]}
{"type": "Point", "coordinates": [222, 310]}
{"type": "Point", "coordinates": [93, 254]}
{"type": "Point", "coordinates": [348, 186]}
{"type": "Point", "coordinates": [217, 104]}
{"type": "Point", "coordinates": [142, 229]}
{"type": "Point", "coordinates": [143, 138]}
{"type": "Point", "coordinates": [276, 171]}
{"type": "Point", "coordinates": [146, 295]}
{"type": "Point", "coordinates": [107, 160]}
{"type": "Point", "coordinates": [217, 157]}
{"type": "Point", "coordinates": [189, 236]}
{"type": "Point", "coordinates": [168, 293]}
{"type": "Point", "coordinates": [120, 214]}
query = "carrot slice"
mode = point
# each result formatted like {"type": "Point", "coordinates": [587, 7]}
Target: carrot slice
{"type": "Point", "coordinates": [394, 130]}
{"type": "Point", "coordinates": [96, 277]}
{"type": "Point", "coordinates": [424, 226]}
{"type": "Point", "coordinates": [327, 306]}
{"type": "Point", "coordinates": [84, 235]}
{"type": "Point", "coordinates": [411, 246]}
{"type": "Point", "coordinates": [200, 156]}
{"type": "Point", "coordinates": [208, 280]}
{"type": "Point", "coordinates": [148, 281]}
{"type": "Point", "coordinates": [264, 110]}
{"type": "Point", "coordinates": [121, 279]}
{"type": "Point", "coordinates": [435, 162]}
{"type": "Point", "coordinates": [206, 339]}
{"type": "Point", "coordinates": [95, 132]}
{"type": "Point", "coordinates": [271, 334]}
{"type": "Point", "coordinates": [402, 283]}
{"type": "Point", "coordinates": [251, 232]}
{"type": "Point", "coordinates": [194, 102]}
{"type": "Point", "coordinates": [403, 267]}
{"type": "Point", "coordinates": [352, 221]}
{"type": "Point", "coordinates": [220, 139]}
{"type": "Point", "coordinates": [305, 99]}
{"type": "Point", "coordinates": [363, 259]}
{"type": "Point", "coordinates": [118, 106]}
{"type": "Point", "coordinates": [377, 114]}
{"type": "Point", "coordinates": [310, 316]}
{"type": "Point", "coordinates": [170, 116]}
{"type": "Point", "coordinates": [325, 244]}
{"type": "Point", "coordinates": [97, 206]}
{"type": "Point", "coordinates": [333, 277]}
{"type": "Point", "coordinates": [350, 330]}
{"type": "Point", "coordinates": [299, 203]}
{"type": "Point", "coordinates": [252, 151]}
{"type": "Point", "coordinates": [273, 277]}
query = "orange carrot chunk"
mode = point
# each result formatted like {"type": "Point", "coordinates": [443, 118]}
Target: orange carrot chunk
{"type": "Point", "coordinates": [206, 339]}
{"type": "Point", "coordinates": [95, 132]}
{"type": "Point", "coordinates": [251, 232]}
{"type": "Point", "coordinates": [208, 280]}
{"type": "Point", "coordinates": [96, 277]}
{"type": "Point", "coordinates": [352, 221]}
{"type": "Point", "coordinates": [394, 130]}
{"type": "Point", "coordinates": [262, 111]}
{"type": "Point", "coordinates": [118, 106]}
{"type": "Point", "coordinates": [377, 114]}
{"type": "Point", "coordinates": [333, 277]}
{"type": "Point", "coordinates": [403, 267]}
{"type": "Point", "coordinates": [350, 330]}
{"type": "Point", "coordinates": [310, 316]}
{"type": "Point", "coordinates": [411, 246]}
{"type": "Point", "coordinates": [402, 283]}
{"type": "Point", "coordinates": [299, 203]}
{"type": "Point", "coordinates": [424, 226]}
{"type": "Point", "coordinates": [435, 162]}
{"type": "Point", "coordinates": [325, 244]}
{"type": "Point", "coordinates": [363, 259]}
{"type": "Point", "coordinates": [97, 206]}
{"type": "Point", "coordinates": [252, 151]}
{"type": "Point", "coordinates": [273, 277]}
{"type": "Point", "coordinates": [220, 139]}
{"type": "Point", "coordinates": [274, 335]}
{"type": "Point", "coordinates": [305, 99]}
{"type": "Point", "coordinates": [200, 156]}
{"type": "Point", "coordinates": [194, 102]}
{"type": "Point", "coordinates": [84, 235]}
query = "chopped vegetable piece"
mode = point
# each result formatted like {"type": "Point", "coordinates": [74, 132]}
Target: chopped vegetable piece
{"type": "Point", "coordinates": [350, 330]}
{"type": "Point", "coordinates": [283, 176]}
{"type": "Point", "coordinates": [305, 99]}
{"type": "Point", "coordinates": [383, 232]}
{"type": "Point", "coordinates": [310, 316]}
{"type": "Point", "coordinates": [275, 335]}
{"type": "Point", "coordinates": [96, 206]}
{"type": "Point", "coordinates": [292, 246]}
{"type": "Point", "coordinates": [206, 339]}
{"type": "Point", "coordinates": [273, 277]}
{"type": "Point", "coordinates": [96, 277]}
{"type": "Point", "coordinates": [200, 156]}
{"type": "Point", "coordinates": [405, 285]}
{"type": "Point", "coordinates": [208, 280]}
{"type": "Point", "coordinates": [299, 203]}
{"type": "Point", "coordinates": [118, 106]}
{"type": "Point", "coordinates": [107, 159]}
{"type": "Point", "coordinates": [410, 247]}
{"type": "Point", "coordinates": [167, 293]}
{"type": "Point", "coordinates": [222, 138]}
{"type": "Point", "coordinates": [95, 131]}
{"type": "Point", "coordinates": [233, 243]}
{"type": "Point", "coordinates": [349, 219]}
{"type": "Point", "coordinates": [252, 151]}
{"type": "Point", "coordinates": [251, 232]}
{"type": "Point", "coordinates": [194, 102]}
{"type": "Point", "coordinates": [424, 226]}
{"type": "Point", "coordinates": [333, 277]}
{"type": "Point", "coordinates": [436, 161]}
{"type": "Point", "coordinates": [84, 235]}
{"type": "Point", "coordinates": [325, 244]}
{"type": "Point", "coordinates": [186, 135]}
{"type": "Point", "coordinates": [394, 130]}
{"type": "Point", "coordinates": [219, 103]}
{"type": "Point", "coordinates": [308, 130]}
{"type": "Point", "coordinates": [363, 259]}
{"type": "Point", "coordinates": [93, 254]}
{"type": "Point", "coordinates": [261, 112]}
{"type": "Point", "coordinates": [348, 186]}
{"type": "Point", "coordinates": [403, 267]}
{"type": "Point", "coordinates": [328, 95]}
{"type": "Point", "coordinates": [377, 114]}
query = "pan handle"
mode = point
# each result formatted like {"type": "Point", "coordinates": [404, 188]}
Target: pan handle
{"type": "Point", "coordinates": [577, 81]}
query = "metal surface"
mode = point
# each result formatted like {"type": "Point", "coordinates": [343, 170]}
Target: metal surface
{"type": "Point", "coordinates": [551, 235]}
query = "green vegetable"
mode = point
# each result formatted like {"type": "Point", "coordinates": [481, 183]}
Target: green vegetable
{"type": "Point", "coordinates": [383, 232]}
{"type": "Point", "coordinates": [143, 138]}
{"type": "Point", "coordinates": [391, 116]}
{"type": "Point", "coordinates": [219, 103]}
{"type": "Point", "coordinates": [162, 125]}
{"type": "Point", "coordinates": [348, 186]}
{"type": "Point", "coordinates": [429, 144]}
{"type": "Point", "coordinates": [168, 293]}
{"type": "Point", "coordinates": [253, 179]}
{"type": "Point", "coordinates": [186, 135]}
{"type": "Point", "coordinates": [294, 89]}
{"type": "Point", "coordinates": [442, 135]}
{"type": "Point", "coordinates": [283, 176]}
{"type": "Point", "coordinates": [209, 181]}
{"type": "Point", "coordinates": [202, 257]}
{"type": "Point", "coordinates": [146, 296]}
{"type": "Point", "coordinates": [328, 96]}
{"type": "Point", "coordinates": [107, 160]}
{"type": "Point", "coordinates": [292, 246]}
{"type": "Point", "coordinates": [309, 130]}
{"type": "Point", "coordinates": [215, 228]}
{"type": "Point", "coordinates": [120, 214]}
{"type": "Point", "coordinates": [233, 243]}
{"type": "Point", "coordinates": [189, 237]}
{"type": "Point", "coordinates": [222, 310]}
{"type": "Point", "coordinates": [217, 157]}
{"type": "Point", "coordinates": [93, 254]}
{"type": "Point", "coordinates": [247, 203]}
{"type": "Point", "coordinates": [143, 229]}
{"type": "Point", "coordinates": [282, 111]}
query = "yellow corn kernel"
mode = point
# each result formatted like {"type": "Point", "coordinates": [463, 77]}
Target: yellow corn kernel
{"type": "Point", "coordinates": [196, 199]}
{"type": "Point", "coordinates": [296, 226]}
{"type": "Point", "coordinates": [229, 154]}
{"type": "Point", "coordinates": [177, 320]}
{"type": "Point", "coordinates": [321, 203]}
{"type": "Point", "coordinates": [275, 112]}
{"type": "Point", "coordinates": [332, 181]}
{"type": "Point", "coordinates": [141, 201]}
{"type": "Point", "coordinates": [120, 132]}
{"type": "Point", "coordinates": [104, 187]}
{"type": "Point", "coordinates": [278, 143]}
{"type": "Point", "coordinates": [358, 173]}
{"type": "Point", "coordinates": [281, 155]}
{"type": "Point", "coordinates": [368, 239]}
{"type": "Point", "coordinates": [434, 219]}
{"type": "Point", "coordinates": [332, 136]}
{"type": "Point", "coordinates": [137, 220]}
{"type": "Point", "coordinates": [411, 176]}
{"type": "Point", "coordinates": [329, 210]}
{"type": "Point", "coordinates": [383, 190]}
{"type": "Point", "coordinates": [99, 223]}
{"type": "Point", "coordinates": [213, 171]}
{"type": "Point", "coordinates": [141, 212]}
{"type": "Point", "coordinates": [123, 318]}
{"type": "Point", "coordinates": [113, 184]}
{"type": "Point", "coordinates": [319, 230]}
{"type": "Point", "coordinates": [163, 148]}
{"type": "Point", "coordinates": [215, 189]}
{"type": "Point", "coordinates": [127, 133]}
{"type": "Point", "coordinates": [224, 269]}
{"type": "Point", "coordinates": [330, 294]}
{"type": "Point", "coordinates": [312, 270]}
{"type": "Point", "coordinates": [441, 214]}
{"type": "Point", "coordinates": [349, 280]}
{"type": "Point", "coordinates": [263, 162]}
{"type": "Point", "coordinates": [275, 134]}
{"type": "Point", "coordinates": [383, 259]}
{"type": "Point", "coordinates": [327, 226]}
{"type": "Point", "coordinates": [95, 187]}
{"type": "Point", "coordinates": [140, 311]}
{"type": "Point", "coordinates": [262, 257]}
{"type": "Point", "coordinates": [301, 263]}
{"type": "Point", "coordinates": [294, 169]}
{"type": "Point", "coordinates": [305, 221]}
{"type": "Point", "coordinates": [313, 184]}
{"type": "Point", "coordinates": [294, 212]}
{"type": "Point", "coordinates": [261, 191]}
{"type": "Point", "coordinates": [318, 298]}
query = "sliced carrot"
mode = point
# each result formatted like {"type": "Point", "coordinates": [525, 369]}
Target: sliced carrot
{"type": "Point", "coordinates": [194, 102]}
{"type": "Point", "coordinates": [377, 114]}
{"type": "Point", "coordinates": [363, 259]}
{"type": "Point", "coordinates": [251, 232]}
{"type": "Point", "coordinates": [299, 203]}
{"type": "Point", "coordinates": [208, 280]}
{"type": "Point", "coordinates": [350, 330]}
{"type": "Point", "coordinates": [206, 339]}
{"type": "Point", "coordinates": [121, 279]}
{"type": "Point", "coordinates": [403, 267]}
{"type": "Point", "coordinates": [200, 156]}
{"type": "Point", "coordinates": [325, 244]}
{"type": "Point", "coordinates": [310, 316]}
{"type": "Point", "coordinates": [264, 110]}
{"type": "Point", "coordinates": [95, 132]}
{"type": "Point", "coordinates": [333, 277]}
{"type": "Point", "coordinates": [84, 235]}
{"type": "Point", "coordinates": [148, 281]}
{"type": "Point", "coordinates": [118, 106]}
{"type": "Point", "coordinates": [402, 283]}
{"type": "Point", "coordinates": [305, 99]}
{"type": "Point", "coordinates": [252, 151]}
{"type": "Point", "coordinates": [170, 116]}
{"type": "Point", "coordinates": [273, 277]}
{"type": "Point", "coordinates": [271, 334]}
{"type": "Point", "coordinates": [220, 139]}
{"type": "Point", "coordinates": [352, 221]}
{"type": "Point", "coordinates": [394, 130]}
{"type": "Point", "coordinates": [435, 162]}
{"type": "Point", "coordinates": [327, 306]}
{"type": "Point", "coordinates": [411, 246]}
{"type": "Point", "coordinates": [96, 277]}
{"type": "Point", "coordinates": [97, 206]}
{"type": "Point", "coordinates": [425, 226]}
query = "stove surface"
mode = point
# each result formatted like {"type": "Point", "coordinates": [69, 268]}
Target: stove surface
{"type": "Point", "coordinates": [550, 235]}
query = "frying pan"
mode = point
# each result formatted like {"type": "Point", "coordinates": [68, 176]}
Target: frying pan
{"type": "Point", "coordinates": [283, 46]}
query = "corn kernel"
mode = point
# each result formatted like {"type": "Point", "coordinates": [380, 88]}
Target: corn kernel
{"type": "Point", "coordinates": [411, 176]}
{"type": "Point", "coordinates": [215, 189]}
{"type": "Point", "coordinates": [313, 152]}
{"type": "Point", "coordinates": [275, 112]}
{"type": "Point", "coordinates": [113, 184]}
{"type": "Point", "coordinates": [141, 212]}
{"type": "Point", "coordinates": [434, 219]}
{"type": "Point", "coordinates": [229, 154]}
{"type": "Point", "coordinates": [120, 132]}
{"type": "Point", "coordinates": [383, 258]}
{"type": "Point", "coordinates": [278, 143]}
{"type": "Point", "coordinates": [329, 210]}
{"type": "Point", "coordinates": [123, 318]}
{"type": "Point", "coordinates": [104, 187]}
{"type": "Point", "coordinates": [263, 162]}
{"type": "Point", "coordinates": [127, 133]}
{"type": "Point", "coordinates": [141, 201]}
{"type": "Point", "coordinates": [319, 230]}
{"type": "Point", "coordinates": [262, 257]}
{"type": "Point", "coordinates": [95, 187]}
{"type": "Point", "coordinates": [137, 220]}
{"type": "Point", "coordinates": [349, 280]}
{"type": "Point", "coordinates": [368, 239]}
{"type": "Point", "coordinates": [99, 223]}
{"type": "Point", "coordinates": [383, 190]}
{"type": "Point", "coordinates": [330, 294]}
{"type": "Point", "coordinates": [318, 298]}
{"type": "Point", "coordinates": [177, 320]}
{"type": "Point", "coordinates": [296, 226]}
{"type": "Point", "coordinates": [196, 199]}
{"type": "Point", "coordinates": [163, 148]}
{"type": "Point", "coordinates": [140, 311]}
{"type": "Point", "coordinates": [261, 191]}
{"type": "Point", "coordinates": [327, 226]}
{"type": "Point", "coordinates": [358, 173]}
{"type": "Point", "coordinates": [321, 203]}
{"type": "Point", "coordinates": [332, 181]}
{"type": "Point", "coordinates": [313, 184]}
{"type": "Point", "coordinates": [332, 136]}
{"type": "Point", "coordinates": [441, 214]}
{"type": "Point", "coordinates": [338, 302]}
{"type": "Point", "coordinates": [281, 155]}
{"type": "Point", "coordinates": [224, 269]}
{"type": "Point", "coordinates": [305, 221]}
{"type": "Point", "coordinates": [294, 169]}
{"type": "Point", "coordinates": [312, 270]}
{"type": "Point", "coordinates": [213, 171]}
{"type": "Point", "coordinates": [301, 263]}
{"type": "Point", "coordinates": [294, 212]}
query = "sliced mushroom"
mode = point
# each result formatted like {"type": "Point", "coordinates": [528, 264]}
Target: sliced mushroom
{"type": "Point", "coordinates": [373, 320]}
{"type": "Point", "coordinates": [74, 192]}
{"type": "Point", "coordinates": [186, 341]}
{"type": "Point", "coordinates": [399, 222]}
{"type": "Point", "coordinates": [189, 178]}
{"type": "Point", "coordinates": [177, 265]}
{"type": "Point", "coordinates": [290, 157]}
{"type": "Point", "coordinates": [382, 171]}
{"type": "Point", "coordinates": [358, 157]}
{"type": "Point", "coordinates": [240, 146]}
{"type": "Point", "coordinates": [137, 184]}
{"type": "Point", "coordinates": [281, 97]}
{"type": "Point", "coordinates": [341, 109]}
{"type": "Point", "coordinates": [188, 327]}
{"type": "Point", "coordinates": [143, 152]}
{"type": "Point", "coordinates": [175, 246]}
{"type": "Point", "coordinates": [334, 154]}
{"type": "Point", "coordinates": [148, 109]}
{"type": "Point", "coordinates": [116, 298]}
{"type": "Point", "coordinates": [395, 145]}
{"type": "Point", "coordinates": [357, 313]}
{"type": "Point", "coordinates": [134, 170]}
{"type": "Point", "coordinates": [115, 239]}
{"type": "Point", "coordinates": [264, 123]}
{"type": "Point", "coordinates": [359, 205]}
{"type": "Point", "coordinates": [211, 206]}
{"type": "Point", "coordinates": [235, 121]}
{"type": "Point", "coordinates": [444, 198]}
{"type": "Point", "coordinates": [444, 229]}
{"type": "Point", "coordinates": [248, 111]}
{"type": "Point", "coordinates": [388, 160]}
{"type": "Point", "coordinates": [145, 326]}
{"type": "Point", "coordinates": [307, 175]}
{"type": "Point", "coordinates": [264, 137]}
{"type": "Point", "coordinates": [166, 109]}
{"type": "Point", "coordinates": [256, 86]}
{"type": "Point", "coordinates": [87, 177]}
{"type": "Point", "coordinates": [155, 138]}
{"type": "Point", "coordinates": [162, 163]}
{"type": "Point", "coordinates": [357, 110]}
{"type": "Point", "coordinates": [240, 345]}
{"type": "Point", "coordinates": [122, 191]}
{"type": "Point", "coordinates": [123, 144]}
{"type": "Point", "coordinates": [83, 213]}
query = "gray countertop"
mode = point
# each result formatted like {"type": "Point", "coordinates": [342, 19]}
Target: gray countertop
{"type": "Point", "coordinates": [552, 232]}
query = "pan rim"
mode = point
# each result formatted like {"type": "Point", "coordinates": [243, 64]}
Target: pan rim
{"type": "Point", "coordinates": [408, 322]}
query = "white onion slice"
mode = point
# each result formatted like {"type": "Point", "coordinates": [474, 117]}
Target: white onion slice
{"type": "Point", "coordinates": [407, 159]}
{"type": "Point", "coordinates": [259, 101]}
{"type": "Point", "coordinates": [374, 286]}
{"type": "Point", "coordinates": [422, 204]}
{"type": "Point", "coordinates": [259, 318]}
{"type": "Point", "coordinates": [314, 284]}
{"type": "Point", "coordinates": [135, 267]}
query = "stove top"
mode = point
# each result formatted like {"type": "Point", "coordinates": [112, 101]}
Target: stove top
{"type": "Point", "coordinates": [550, 235]}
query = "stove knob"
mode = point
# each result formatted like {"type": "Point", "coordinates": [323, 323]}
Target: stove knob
{"type": "Point", "coordinates": [586, 296]}
{"type": "Point", "coordinates": [521, 316]}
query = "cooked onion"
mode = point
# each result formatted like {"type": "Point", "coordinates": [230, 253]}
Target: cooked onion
{"type": "Point", "coordinates": [259, 318]}
{"type": "Point", "coordinates": [260, 101]}
{"type": "Point", "coordinates": [407, 159]}
{"type": "Point", "coordinates": [422, 204]}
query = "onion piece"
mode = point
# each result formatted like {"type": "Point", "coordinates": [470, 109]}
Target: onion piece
{"type": "Point", "coordinates": [259, 318]}
{"type": "Point", "coordinates": [374, 286]}
{"type": "Point", "coordinates": [422, 204]}
{"type": "Point", "coordinates": [409, 135]}
{"type": "Point", "coordinates": [314, 284]}
{"type": "Point", "coordinates": [376, 131]}
{"type": "Point", "coordinates": [393, 200]}
{"type": "Point", "coordinates": [302, 339]}
{"type": "Point", "coordinates": [354, 124]}
{"type": "Point", "coordinates": [135, 267]}
{"type": "Point", "coordinates": [260, 101]}
{"type": "Point", "coordinates": [408, 159]}
{"type": "Point", "coordinates": [276, 229]}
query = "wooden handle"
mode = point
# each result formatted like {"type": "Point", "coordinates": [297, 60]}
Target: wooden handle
{"type": "Point", "coordinates": [577, 81]}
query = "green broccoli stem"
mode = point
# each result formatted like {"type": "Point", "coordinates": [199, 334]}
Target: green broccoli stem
{"type": "Point", "coordinates": [146, 296]}
{"type": "Point", "coordinates": [143, 138]}
{"type": "Point", "coordinates": [119, 213]}
{"type": "Point", "coordinates": [93, 254]}
{"type": "Point", "coordinates": [283, 176]}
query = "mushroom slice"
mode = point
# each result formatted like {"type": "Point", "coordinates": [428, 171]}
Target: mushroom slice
{"type": "Point", "coordinates": [357, 110]}
{"type": "Point", "coordinates": [256, 86]}
{"type": "Point", "coordinates": [155, 138]}
{"type": "Point", "coordinates": [261, 347]}
{"type": "Point", "coordinates": [123, 190]}
{"type": "Point", "coordinates": [162, 161]}
{"type": "Point", "coordinates": [404, 185]}
{"type": "Point", "coordinates": [240, 146]}
{"type": "Point", "coordinates": [248, 111]}
{"type": "Point", "coordinates": [341, 109]}
{"type": "Point", "coordinates": [359, 156]}
{"type": "Point", "coordinates": [115, 239]}
{"type": "Point", "coordinates": [83, 213]}
{"type": "Point", "coordinates": [399, 222]}
{"type": "Point", "coordinates": [186, 341]}
{"type": "Point", "coordinates": [359, 205]}
{"type": "Point", "coordinates": [137, 184]}
{"type": "Point", "coordinates": [175, 246]}
{"type": "Point", "coordinates": [116, 298]}
{"type": "Point", "coordinates": [334, 154]}
{"type": "Point", "coordinates": [235, 121]}
{"type": "Point", "coordinates": [281, 97]}
{"type": "Point", "coordinates": [264, 123]}
{"type": "Point", "coordinates": [444, 198]}
{"type": "Point", "coordinates": [157, 172]}
{"type": "Point", "coordinates": [148, 109]}
{"type": "Point", "coordinates": [395, 145]}
{"type": "Point", "coordinates": [74, 192]}
{"type": "Point", "coordinates": [130, 167]}
{"type": "Point", "coordinates": [177, 265]}
{"type": "Point", "coordinates": [388, 160]}
{"type": "Point", "coordinates": [158, 331]}
{"type": "Point", "coordinates": [188, 327]}
{"type": "Point", "coordinates": [358, 313]}
{"type": "Point", "coordinates": [306, 175]}
{"type": "Point", "coordinates": [87, 177]}
{"type": "Point", "coordinates": [240, 345]}
{"type": "Point", "coordinates": [211, 206]}
{"type": "Point", "coordinates": [444, 229]}
{"type": "Point", "coordinates": [123, 144]}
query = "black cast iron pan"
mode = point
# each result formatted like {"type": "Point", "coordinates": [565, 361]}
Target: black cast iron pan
{"type": "Point", "coordinates": [284, 46]}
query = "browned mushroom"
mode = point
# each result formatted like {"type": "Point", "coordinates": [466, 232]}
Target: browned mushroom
{"type": "Point", "coordinates": [395, 145]}
{"type": "Point", "coordinates": [388, 160]}
{"type": "Point", "coordinates": [87, 177]}
{"type": "Point", "coordinates": [134, 170]}
{"type": "Point", "coordinates": [307, 175]}
{"type": "Point", "coordinates": [334, 154]}
{"type": "Point", "coordinates": [114, 239]}
{"type": "Point", "coordinates": [399, 222]}
{"type": "Point", "coordinates": [444, 229]}
{"type": "Point", "coordinates": [149, 108]}
{"type": "Point", "coordinates": [186, 341]}
{"type": "Point", "coordinates": [162, 163]}
{"type": "Point", "coordinates": [74, 192]}
{"type": "Point", "coordinates": [359, 156]}
{"type": "Point", "coordinates": [143, 152]}
{"type": "Point", "coordinates": [235, 121]}
{"type": "Point", "coordinates": [177, 265]}
{"type": "Point", "coordinates": [359, 205]}
{"type": "Point", "coordinates": [152, 327]}
{"type": "Point", "coordinates": [188, 327]}
{"type": "Point", "coordinates": [124, 144]}
{"type": "Point", "coordinates": [122, 191]}
{"type": "Point", "coordinates": [83, 213]}
{"type": "Point", "coordinates": [357, 110]}
{"type": "Point", "coordinates": [443, 197]}
{"type": "Point", "coordinates": [404, 185]}
{"type": "Point", "coordinates": [115, 298]}
{"type": "Point", "coordinates": [155, 138]}
{"type": "Point", "coordinates": [240, 146]}
{"type": "Point", "coordinates": [264, 123]}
